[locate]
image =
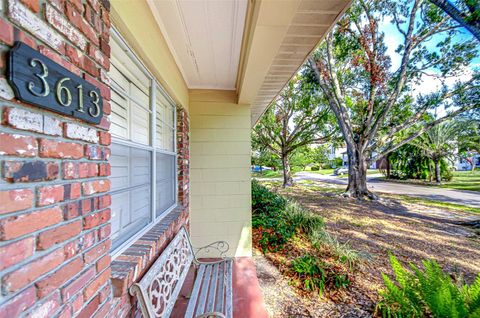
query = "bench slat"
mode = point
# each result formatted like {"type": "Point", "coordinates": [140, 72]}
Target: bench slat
{"type": "Point", "coordinates": [219, 299]}
{"type": "Point", "coordinates": [203, 294]}
{"type": "Point", "coordinates": [194, 295]}
{"type": "Point", "coordinates": [213, 288]}
{"type": "Point", "coordinates": [229, 294]}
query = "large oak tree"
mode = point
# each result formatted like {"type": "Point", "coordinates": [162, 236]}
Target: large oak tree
{"type": "Point", "coordinates": [373, 103]}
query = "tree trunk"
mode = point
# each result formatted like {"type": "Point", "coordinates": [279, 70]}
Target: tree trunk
{"type": "Point", "coordinates": [438, 177]}
{"type": "Point", "coordinates": [287, 174]}
{"type": "Point", "coordinates": [357, 175]}
{"type": "Point", "coordinates": [387, 158]}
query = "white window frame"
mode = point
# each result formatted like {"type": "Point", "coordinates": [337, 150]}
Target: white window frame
{"type": "Point", "coordinates": [152, 148]}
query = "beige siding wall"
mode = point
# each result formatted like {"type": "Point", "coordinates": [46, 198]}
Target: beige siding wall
{"type": "Point", "coordinates": [219, 171]}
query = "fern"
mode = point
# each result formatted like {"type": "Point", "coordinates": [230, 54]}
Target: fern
{"type": "Point", "coordinates": [427, 292]}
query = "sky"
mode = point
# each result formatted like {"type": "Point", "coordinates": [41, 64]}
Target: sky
{"type": "Point", "coordinates": [429, 84]}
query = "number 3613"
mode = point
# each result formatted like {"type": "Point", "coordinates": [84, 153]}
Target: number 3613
{"type": "Point", "coordinates": [63, 94]}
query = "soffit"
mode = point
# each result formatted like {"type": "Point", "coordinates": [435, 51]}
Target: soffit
{"type": "Point", "coordinates": [298, 34]}
{"type": "Point", "coordinates": [205, 37]}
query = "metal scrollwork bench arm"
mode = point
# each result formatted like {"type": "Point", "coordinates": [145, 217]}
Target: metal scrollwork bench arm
{"type": "Point", "coordinates": [211, 296]}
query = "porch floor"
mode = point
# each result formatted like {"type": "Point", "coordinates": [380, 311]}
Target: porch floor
{"type": "Point", "coordinates": [247, 295]}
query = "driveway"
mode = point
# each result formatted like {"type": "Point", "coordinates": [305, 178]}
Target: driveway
{"type": "Point", "coordinates": [469, 198]}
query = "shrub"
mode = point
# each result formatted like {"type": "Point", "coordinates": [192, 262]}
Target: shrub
{"type": "Point", "coordinates": [342, 251]}
{"type": "Point", "coordinates": [280, 219]}
{"type": "Point", "coordinates": [316, 275]}
{"type": "Point", "coordinates": [310, 272]}
{"type": "Point", "coordinates": [315, 168]}
{"type": "Point", "coordinates": [430, 292]}
{"type": "Point", "coordinates": [303, 219]}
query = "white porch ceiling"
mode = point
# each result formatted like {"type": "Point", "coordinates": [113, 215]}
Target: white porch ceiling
{"type": "Point", "coordinates": [205, 37]}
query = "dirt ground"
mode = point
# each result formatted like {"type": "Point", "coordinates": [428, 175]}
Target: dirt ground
{"type": "Point", "coordinates": [411, 232]}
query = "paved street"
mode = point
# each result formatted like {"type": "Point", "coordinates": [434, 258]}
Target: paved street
{"type": "Point", "coordinates": [470, 198]}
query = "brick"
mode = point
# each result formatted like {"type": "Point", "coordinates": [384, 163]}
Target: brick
{"type": "Point", "coordinates": [78, 5]}
{"type": "Point", "coordinates": [59, 59]}
{"type": "Point", "coordinates": [90, 67]}
{"type": "Point", "coordinates": [59, 234]}
{"type": "Point", "coordinates": [50, 194]}
{"type": "Point", "coordinates": [96, 284]}
{"type": "Point", "coordinates": [66, 312]}
{"type": "Point", "coordinates": [104, 201]}
{"type": "Point", "coordinates": [59, 149]}
{"type": "Point", "coordinates": [71, 210]}
{"type": "Point", "coordinates": [105, 292]}
{"type": "Point", "coordinates": [103, 263]}
{"type": "Point", "coordinates": [59, 277]}
{"type": "Point", "coordinates": [26, 274]}
{"type": "Point", "coordinates": [98, 56]}
{"type": "Point", "coordinates": [16, 226]}
{"type": "Point", "coordinates": [104, 310]}
{"type": "Point", "coordinates": [75, 55]}
{"type": "Point", "coordinates": [16, 252]}
{"type": "Point", "coordinates": [104, 89]}
{"type": "Point", "coordinates": [122, 275]}
{"type": "Point", "coordinates": [105, 47]}
{"type": "Point", "coordinates": [29, 171]}
{"type": "Point", "coordinates": [97, 186]}
{"type": "Point", "coordinates": [95, 252]}
{"type": "Point", "coordinates": [107, 108]}
{"type": "Point", "coordinates": [6, 32]}
{"type": "Point", "coordinates": [94, 152]}
{"type": "Point", "coordinates": [104, 232]}
{"type": "Point", "coordinates": [17, 145]}
{"type": "Point", "coordinates": [18, 304]}
{"type": "Point", "coordinates": [95, 4]}
{"type": "Point", "coordinates": [28, 20]}
{"type": "Point", "coordinates": [52, 126]}
{"type": "Point", "coordinates": [58, 4]}
{"type": "Point", "coordinates": [105, 138]}
{"type": "Point", "coordinates": [72, 191]}
{"type": "Point", "coordinates": [22, 119]}
{"type": "Point", "coordinates": [105, 78]}
{"type": "Point", "coordinates": [6, 91]}
{"type": "Point", "coordinates": [74, 131]}
{"type": "Point", "coordinates": [46, 308]}
{"type": "Point", "coordinates": [15, 200]}
{"type": "Point", "coordinates": [104, 169]}
{"type": "Point", "coordinates": [58, 21]}
{"type": "Point", "coordinates": [90, 308]}
{"type": "Point", "coordinates": [32, 5]}
{"type": "Point", "coordinates": [77, 304]}
{"type": "Point", "coordinates": [75, 170]}
{"type": "Point", "coordinates": [71, 249]}
{"type": "Point", "coordinates": [19, 35]}
{"type": "Point", "coordinates": [96, 219]}
{"type": "Point", "coordinates": [89, 32]}
{"type": "Point", "coordinates": [73, 15]}
{"type": "Point", "coordinates": [104, 123]}
{"type": "Point", "coordinates": [77, 284]}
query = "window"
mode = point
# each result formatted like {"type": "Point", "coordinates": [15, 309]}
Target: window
{"type": "Point", "coordinates": [143, 158]}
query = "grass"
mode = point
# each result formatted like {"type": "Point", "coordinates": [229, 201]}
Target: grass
{"type": "Point", "coordinates": [433, 203]}
{"type": "Point", "coordinates": [267, 174]}
{"type": "Point", "coordinates": [464, 180]}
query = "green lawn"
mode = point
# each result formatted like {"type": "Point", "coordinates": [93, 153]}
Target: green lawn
{"type": "Point", "coordinates": [464, 180]}
{"type": "Point", "coordinates": [267, 174]}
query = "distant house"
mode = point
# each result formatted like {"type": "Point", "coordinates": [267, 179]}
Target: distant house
{"type": "Point", "coordinates": [462, 164]}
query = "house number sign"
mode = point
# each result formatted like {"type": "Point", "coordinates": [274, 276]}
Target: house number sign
{"type": "Point", "coordinates": [38, 80]}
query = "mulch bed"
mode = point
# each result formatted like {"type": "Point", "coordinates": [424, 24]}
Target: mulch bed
{"type": "Point", "coordinates": [411, 232]}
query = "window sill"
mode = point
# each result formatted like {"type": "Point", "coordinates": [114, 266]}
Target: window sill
{"type": "Point", "coordinates": [132, 263]}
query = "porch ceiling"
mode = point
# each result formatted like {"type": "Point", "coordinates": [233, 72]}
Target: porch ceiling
{"type": "Point", "coordinates": [205, 37]}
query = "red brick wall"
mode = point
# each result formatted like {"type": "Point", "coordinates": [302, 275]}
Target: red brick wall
{"type": "Point", "coordinates": [54, 210]}
{"type": "Point", "coordinates": [183, 150]}
{"type": "Point", "coordinates": [54, 213]}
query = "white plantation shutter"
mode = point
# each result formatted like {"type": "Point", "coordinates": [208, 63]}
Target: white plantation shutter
{"type": "Point", "coordinates": [143, 159]}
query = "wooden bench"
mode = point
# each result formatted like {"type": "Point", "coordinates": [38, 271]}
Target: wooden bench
{"type": "Point", "coordinates": [160, 287]}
